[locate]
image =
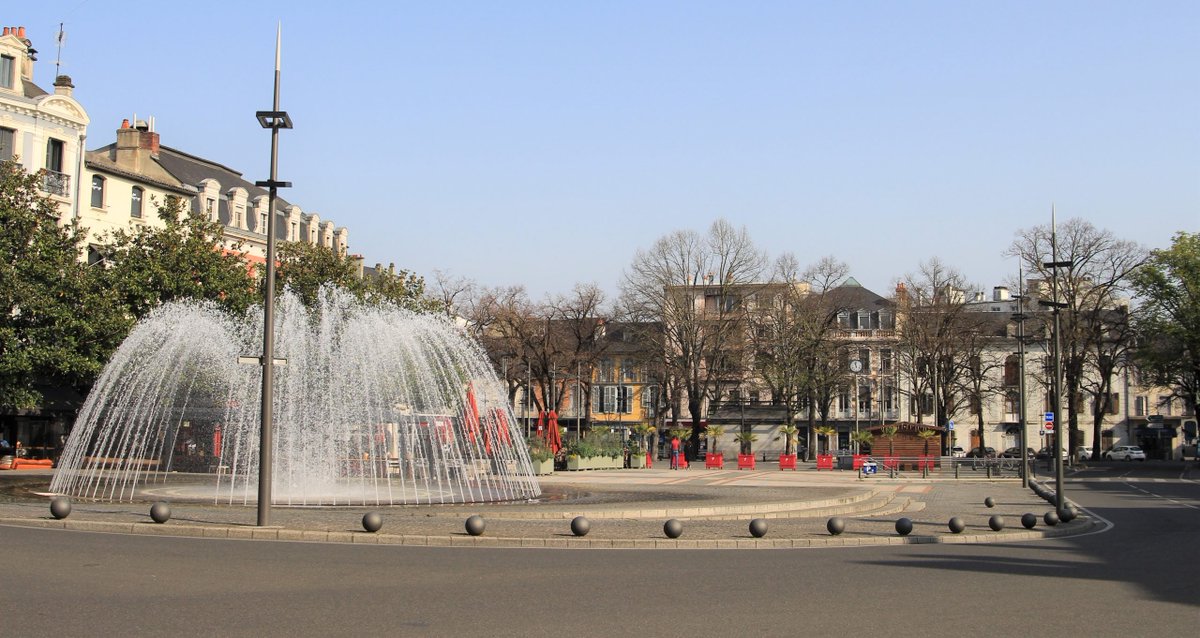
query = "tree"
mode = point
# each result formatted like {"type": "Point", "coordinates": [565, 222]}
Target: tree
{"type": "Point", "coordinates": [939, 347]}
{"type": "Point", "coordinates": [792, 326]}
{"type": "Point", "coordinates": [862, 438]}
{"type": "Point", "coordinates": [788, 433]}
{"type": "Point", "coordinates": [57, 324]}
{"type": "Point", "coordinates": [398, 287]}
{"type": "Point", "coordinates": [149, 265]}
{"type": "Point", "coordinates": [825, 432]}
{"type": "Point", "coordinates": [305, 268]}
{"type": "Point", "coordinates": [1168, 323]}
{"type": "Point", "coordinates": [714, 434]}
{"type": "Point", "coordinates": [889, 432]}
{"type": "Point", "coordinates": [746, 441]}
{"type": "Point", "coordinates": [926, 434]}
{"type": "Point", "coordinates": [694, 284]}
{"type": "Point", "coordinates": [1097, 275]}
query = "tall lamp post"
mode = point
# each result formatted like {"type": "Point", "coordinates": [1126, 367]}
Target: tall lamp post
{"type": "Point", "coordinates": [1020, 317]}
{"type": "Point", "coordinates": [275, 119]}
{"type": "Point", "coordinates": [1056, 306]}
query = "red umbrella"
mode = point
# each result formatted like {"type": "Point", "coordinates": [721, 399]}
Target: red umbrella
{"type": "Point", "coordinates": [541, 424]}
{"type": "Point", "coordinates": [553, 438]}
{"type": "Point", "coordinates": [471, 412]}
{"type": "Point", "coordinates": [217, 440]}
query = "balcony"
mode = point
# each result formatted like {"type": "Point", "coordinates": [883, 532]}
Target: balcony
{"type": "Point", "coordinates": [56, 183]}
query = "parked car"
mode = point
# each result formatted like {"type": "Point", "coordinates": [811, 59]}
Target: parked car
{"type": "Point", "coordinates": [957, 452]}
{"type": "Point", "coordinates": [1047, 453]}
{"type": "Point", "coordinates": [1015, 453]}
{"type": "Point", "coordinates": [1083, 453]}
{"type": "Point", "coordinates": [1126, 453]}
{"type": "Point", "coordinates": [988, 452]}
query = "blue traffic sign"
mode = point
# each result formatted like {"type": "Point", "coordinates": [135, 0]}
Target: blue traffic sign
{"type": "Point", "coordinates": [950, 425]}
{"type": "Point", "coordinates": [1049, 416]}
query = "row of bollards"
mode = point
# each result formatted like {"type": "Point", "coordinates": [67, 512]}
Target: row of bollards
{"type": "Point", "coordinates": [60, 508]}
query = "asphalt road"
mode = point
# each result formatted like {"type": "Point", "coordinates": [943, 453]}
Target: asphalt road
{"type": "Point", "coordinates": [1140, 577]}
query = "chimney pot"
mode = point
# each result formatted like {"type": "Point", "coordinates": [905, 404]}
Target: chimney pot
{"type": "Point", "coordinates": [21, 32]}
{"type": "Point", "coordinates": [6, 31]}
{"type": "Point", "coordinates": [125, 123]}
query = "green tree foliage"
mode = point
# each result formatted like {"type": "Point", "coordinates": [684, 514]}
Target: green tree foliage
{"type": "Point", "coordinates": [149, 265]}
{"type": "Point", "coordinates": [56, 325]}
{"type": "Point", "coordinates": [306, 268]}
{"type": "Point", "coordinates": [1168, 285]}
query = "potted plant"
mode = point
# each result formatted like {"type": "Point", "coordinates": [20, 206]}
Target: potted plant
{"type": "Point", "coordinates": [889, 432]}
{"type": "Point", "coordinates": [926, 434]}
{"type": "Point", "coordinates": [746, 454]}
{"type": "Point", "coordinates": [861, 438]}
{"type": "Point", "coordinates": [540, 457]}
{"type": "Point", "coordinates": [713, 458]}
{"type": "Point", "coordinates": [787, 460]}
{"type": "Point", "coordinates": [825, 461]}
{"type": "Point", "coordinates": [646, 432]}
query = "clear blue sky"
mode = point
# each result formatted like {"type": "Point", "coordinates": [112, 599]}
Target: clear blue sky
{"type": "Point", "coordinates": [542, 143]}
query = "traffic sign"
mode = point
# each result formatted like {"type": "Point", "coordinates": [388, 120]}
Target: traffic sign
{"type": "Point", "coordinates": [1049, 416]}
{"type": "Point", "coordinates": [1049, 426]}
{"type": "Point", "coordinates": [950, 425]}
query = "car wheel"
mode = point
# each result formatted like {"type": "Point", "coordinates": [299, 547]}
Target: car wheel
{"type": "Point", "coordinates": [1128, 458]}
{"type": "Point", "coordinates": [1108, 457]}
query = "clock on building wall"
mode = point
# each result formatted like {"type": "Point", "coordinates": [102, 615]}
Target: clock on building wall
{"type": "Point", "coordinates": [855, 366]}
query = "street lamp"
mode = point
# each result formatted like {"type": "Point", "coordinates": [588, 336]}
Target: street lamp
{"type": "Point", "coordinates": [1056, 306]}
{"type": "Point", "coordinates": [856, 367]}
{"type": "Point", "coordinates": [275, 119]}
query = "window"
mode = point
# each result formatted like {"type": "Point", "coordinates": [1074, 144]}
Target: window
{"type": "Point", "coordinates": [606, 370]}
{"type": "Point", "coordinates": [262, 223]}
{"type": "Point", "coordinates": [1012, 402]}
{"type": "Point", "coordinates": [1140, 406]}
{"type": "Point", "coordinates": [8, 64]}
{"type": "Point", "coordinates": [210, 209]}
{"type": "Point", "coordinates": [7, 143]}
{"type": "Point", "coordinates": [649, 397]}
{"type": "Point", "coordinates": [135, 202]}
{"type": "Point", "coordinates": [97, 191]}
{"type": "Point", "coordinates": [628, 370]}
{"type": "Point", "coordinates": [864, 355]}
{"type": "Point", "coordinates": [624, 396]}
{"type": "Point", "coordinates": [885, 360]}
{"type": "Point", "coordinates": [54, 155]}
{"type": "Point", "coordinates": [1012, 371]}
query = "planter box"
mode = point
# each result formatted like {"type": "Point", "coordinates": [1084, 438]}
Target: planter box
{"type": "Point", "coordinates": [637, 461]}
{"type": "Point", "coordinates": [787, 461]}
{"type": "Point", "coordinates": [745, 461]}
{"type": "Point", "coordinates": [824, 461]}
{"type": "Point", "coordinates": [542, 468]}
{"type": "Point", "coordinates": [714, 461]}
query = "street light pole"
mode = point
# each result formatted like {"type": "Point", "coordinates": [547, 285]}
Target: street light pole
{"type": "Point", "coordinates": [275, 119]}
{"type": "Point", "coordinates": [1020, 317]}
{"type": "Point", "coordinates": [1057, 306]}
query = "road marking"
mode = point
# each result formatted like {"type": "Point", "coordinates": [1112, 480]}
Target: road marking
{"type": "Point", "coordinates": [1165, 498]}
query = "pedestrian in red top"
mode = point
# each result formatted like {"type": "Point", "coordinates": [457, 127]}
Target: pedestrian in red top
{"type": "Point", "coordinates": [675, 453]}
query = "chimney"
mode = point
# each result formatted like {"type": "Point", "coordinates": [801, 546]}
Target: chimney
{"type": "Point", "coordinates": [1000, 293]}
{"type": "Point", "coordinates": [136, 146]}
{"type": "Point", "coordinates": [63, 86]}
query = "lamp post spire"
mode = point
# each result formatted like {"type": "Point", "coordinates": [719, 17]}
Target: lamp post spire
{"type": "Point", "coordinates": [274, 119]}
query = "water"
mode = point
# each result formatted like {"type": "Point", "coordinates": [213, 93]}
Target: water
{"type": "Point", "coordinates": [374, 406]}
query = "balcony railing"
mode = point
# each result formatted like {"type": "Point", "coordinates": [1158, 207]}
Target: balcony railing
{"type": "Point", "coordinates": [56, 183]}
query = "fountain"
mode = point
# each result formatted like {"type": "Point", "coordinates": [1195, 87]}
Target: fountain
{"type": "Point", "coordinates": [375, 405]}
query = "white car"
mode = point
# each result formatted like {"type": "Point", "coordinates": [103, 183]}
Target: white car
{"type": "Point", "coordinates": [1126, 453]}
{"type": "Point", "coordinates": [1083, 452]}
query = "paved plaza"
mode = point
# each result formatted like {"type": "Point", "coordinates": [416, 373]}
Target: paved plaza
{"type": "Point", "coordinates": [626, 509]}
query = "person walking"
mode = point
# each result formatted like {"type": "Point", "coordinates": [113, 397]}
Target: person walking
{"type": "Point", "coordinates": [674, 453]}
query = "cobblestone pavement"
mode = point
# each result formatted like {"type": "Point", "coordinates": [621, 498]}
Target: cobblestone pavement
{"type": "Point", "coordinates": [625, 508]}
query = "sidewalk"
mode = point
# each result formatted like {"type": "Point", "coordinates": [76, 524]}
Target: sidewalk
{"type": "Point", "coordinates": [626, 508]}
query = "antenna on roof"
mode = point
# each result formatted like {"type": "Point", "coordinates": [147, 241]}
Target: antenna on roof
{"type": "Point", "coordinates": [60, 41]}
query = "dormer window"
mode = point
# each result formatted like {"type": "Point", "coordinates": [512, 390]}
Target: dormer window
{"type": "Point", "coordinates": [8, 66]}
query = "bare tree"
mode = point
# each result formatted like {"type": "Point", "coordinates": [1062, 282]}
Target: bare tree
{"type": "Point", "coordinates": [1091, 286]}
{"type": "Point", "coordinates": [452, 291]}
{"type": "Point", "coordinates": [936, 349]}
{"type": "Point", "coordinates": [694, 284]}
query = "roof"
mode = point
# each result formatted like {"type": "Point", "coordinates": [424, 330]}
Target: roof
{"type": "Point", "coordinates": [190, 169]}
